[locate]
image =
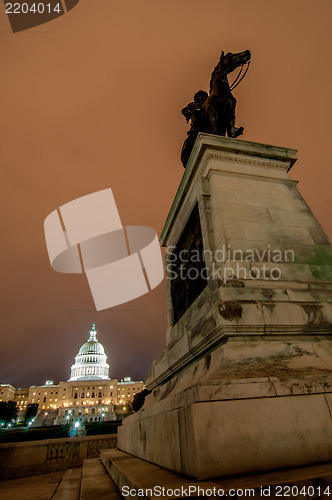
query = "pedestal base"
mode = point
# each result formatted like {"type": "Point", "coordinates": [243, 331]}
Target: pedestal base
{"type": "Point", "coordinates": [136, 478]}
{"type": "Point", "coordinates": [245, 381]}
{"type": "Point", "coordinates": [207, 439]}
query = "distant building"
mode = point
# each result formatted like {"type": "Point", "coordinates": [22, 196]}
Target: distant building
{"type": "Point", "coordinates": [91, 361]}
{"type": "Point", "coordinates": [21, 397]}
{"type": "Point", "coordinates": [89, 393]}
{"type": "Point", "coordinates": [7, 392]}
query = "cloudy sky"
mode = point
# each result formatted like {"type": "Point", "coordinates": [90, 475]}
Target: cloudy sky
{"type": "Point", "coordinates": [92, 100]}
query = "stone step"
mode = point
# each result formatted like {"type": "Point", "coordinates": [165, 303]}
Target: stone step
{"type": "Point", "coordinates": [137, 478]}
{"type": "Point", "coordinates": [39, 487]}
{"type": "Point", "coordinates": [45, 418]}
{"type": "Point", "coordinates": [97, 483]}
{"type": "Point", "coordinates": [70, 486]}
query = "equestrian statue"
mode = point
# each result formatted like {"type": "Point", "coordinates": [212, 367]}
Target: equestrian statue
{"type": "Point", "coordinates": [214, 113]}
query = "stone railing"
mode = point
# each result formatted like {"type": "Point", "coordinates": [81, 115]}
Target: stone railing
{"type": "Point", "coordinates": [39, 457]}
{"type": "Point", "coordinates": [74, 448]}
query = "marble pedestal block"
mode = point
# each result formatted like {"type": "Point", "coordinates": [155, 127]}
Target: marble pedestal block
{"type": "Point", "coordinates": [245, 381]}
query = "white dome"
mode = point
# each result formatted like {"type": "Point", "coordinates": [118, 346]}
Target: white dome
{"type": "Point", "coordinates": [91, 347]}
{"type": "Point", "coordinates": [91, 360]}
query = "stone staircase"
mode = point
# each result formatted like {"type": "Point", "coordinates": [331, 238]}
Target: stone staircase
{"type": "Point", "coordinates": [91, 482]}
{"type": "Point", "coordinates": [45, 418]}
{"type": "Point", "coordinates": [103, 478]}
{"type": "Point", "coordinates": [99, 478]}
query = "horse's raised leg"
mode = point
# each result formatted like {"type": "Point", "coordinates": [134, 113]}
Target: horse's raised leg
{"type": "Point", "coordinates": [233, 131]}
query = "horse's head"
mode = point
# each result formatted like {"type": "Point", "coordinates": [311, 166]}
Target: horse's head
{"type": "Point", "coordinates": [230, 61]}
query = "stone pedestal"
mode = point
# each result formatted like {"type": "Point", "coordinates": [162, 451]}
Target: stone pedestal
{"type": "Point", "coordinates": [245, 381]}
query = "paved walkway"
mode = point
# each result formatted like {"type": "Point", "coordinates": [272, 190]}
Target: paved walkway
{"type": "Point", "coordinates": [40, 487]}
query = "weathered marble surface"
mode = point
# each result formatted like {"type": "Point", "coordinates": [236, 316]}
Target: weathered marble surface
{"type": "Point", "coordinates": [244, 383]}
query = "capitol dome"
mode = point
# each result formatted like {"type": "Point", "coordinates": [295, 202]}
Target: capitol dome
{"type": "Point", "coordinates": [91, 360]}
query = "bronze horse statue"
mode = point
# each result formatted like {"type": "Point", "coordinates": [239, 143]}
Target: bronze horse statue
{"type": "Point", "coordinates": [214, 113]}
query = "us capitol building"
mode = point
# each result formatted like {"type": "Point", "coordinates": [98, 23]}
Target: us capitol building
{"type": "Point", "coordinates": [89, 393]}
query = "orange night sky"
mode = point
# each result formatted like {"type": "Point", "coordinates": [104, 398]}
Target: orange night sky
{"type": "Point", "coordinates": [92, 100]}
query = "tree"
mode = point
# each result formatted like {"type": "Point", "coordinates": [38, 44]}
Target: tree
{"type": "Point", "coordinates": [8, 411]}
{"type": "Point", "coordinates": [30, 412]}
